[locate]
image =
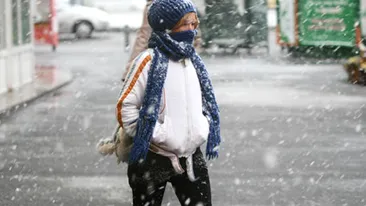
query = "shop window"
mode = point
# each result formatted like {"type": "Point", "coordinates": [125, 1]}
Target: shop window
{"type": "Point", "coordinates": [2, 25]}
{"type": "Point", "coordinates": [25, 18]}
{"type": "Point", "coordinates": [15, 18]}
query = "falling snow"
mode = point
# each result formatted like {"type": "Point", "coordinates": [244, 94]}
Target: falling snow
{"type": "Point", "coordinates": [292, 126]}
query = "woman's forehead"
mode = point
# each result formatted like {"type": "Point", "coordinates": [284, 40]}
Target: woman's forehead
{"type": "Point", "coordinates": [190, 17]}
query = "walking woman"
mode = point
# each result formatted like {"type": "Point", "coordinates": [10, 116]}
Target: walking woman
{"type": "Point", "coordinates": [168, 106]}
{"type": "Point", "coordinates": [142, 38]}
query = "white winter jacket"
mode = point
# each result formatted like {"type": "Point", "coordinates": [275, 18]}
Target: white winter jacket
{"type": "Point", "coordinates": [181, 127]}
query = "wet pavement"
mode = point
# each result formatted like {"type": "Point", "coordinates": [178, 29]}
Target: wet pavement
{"type": "Point", "coordinates": [293, 134]}
{"type": "Point", "coordinates": [47, 78]}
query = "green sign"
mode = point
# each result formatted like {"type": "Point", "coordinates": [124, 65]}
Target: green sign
{"type": "Point", "coordinates": [327, 22]}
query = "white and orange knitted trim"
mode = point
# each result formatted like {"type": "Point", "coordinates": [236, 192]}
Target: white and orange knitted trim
{"type": "Point", "coordinates": [130, 87]}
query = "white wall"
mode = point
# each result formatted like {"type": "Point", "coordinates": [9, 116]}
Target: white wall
{"type": "Point", "coordinates": [16, 62]}
{"type": "Point", "coordinates": [272, 18]}
{"type": "Point", "coordinates": [3, 87]}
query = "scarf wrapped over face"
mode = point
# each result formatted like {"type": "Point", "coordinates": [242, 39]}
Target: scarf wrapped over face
{"type": "Point", "coordinates": [175, 46]}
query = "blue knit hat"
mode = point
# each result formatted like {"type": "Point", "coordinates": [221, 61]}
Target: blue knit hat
{"type": "Point", "coordinates": [165, 14]}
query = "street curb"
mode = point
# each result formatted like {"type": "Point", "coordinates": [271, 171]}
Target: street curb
{"type": "Point", "coordinates": [122, 30]}
{"type": "Point", "coordinates": [11, 101]}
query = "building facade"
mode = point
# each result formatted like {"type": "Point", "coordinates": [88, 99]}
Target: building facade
{"type": "Point", "coordinates": [17, 59]}
{"type": "Point", "coordinates": [363, 17]}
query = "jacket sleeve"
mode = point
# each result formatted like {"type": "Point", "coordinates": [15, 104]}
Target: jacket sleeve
{"type": "Point", "coordinates": [141, 41]}
{"type": "Point", "coordinates": [132, 94]}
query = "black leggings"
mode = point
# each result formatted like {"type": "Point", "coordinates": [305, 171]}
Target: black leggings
{"type": "Point", "coordinates": [149, 178]}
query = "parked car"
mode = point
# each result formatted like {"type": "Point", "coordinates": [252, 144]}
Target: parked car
{"type": "Point", "coordinates": [80, 20]}
{"type": "Point", "coordinates": [123, 12]}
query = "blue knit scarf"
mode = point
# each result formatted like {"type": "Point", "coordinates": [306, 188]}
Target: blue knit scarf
{"type": "Point", "coordinates": [165, 48]}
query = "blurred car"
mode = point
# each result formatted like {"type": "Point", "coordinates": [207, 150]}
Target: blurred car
{"type": "Point", "coordinates": [80, 20]}
{"type": "Point", "coordinates": [122, 12]}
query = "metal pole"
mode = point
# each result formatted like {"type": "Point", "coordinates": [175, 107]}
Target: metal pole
{"type": "Point", "coordinates": [126, 31]}
{"type": "Point", "coordinates": [248, 23]}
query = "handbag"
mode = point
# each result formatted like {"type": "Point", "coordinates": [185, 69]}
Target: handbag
{"type": "Point", "coordinates": [121, 145]}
